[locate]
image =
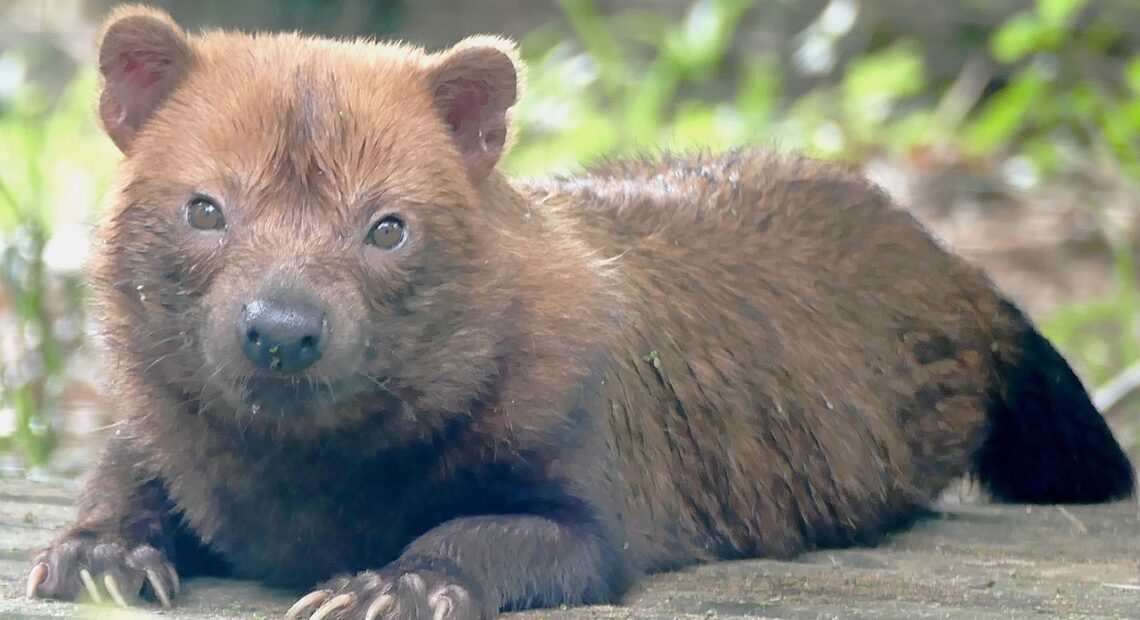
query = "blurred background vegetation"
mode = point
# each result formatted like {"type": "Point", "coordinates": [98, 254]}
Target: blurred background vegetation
{"type": "Point", "coordinates": [1011, 127]}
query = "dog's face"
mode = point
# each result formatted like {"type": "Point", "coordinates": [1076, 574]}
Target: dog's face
{"type": "Point", "coordinates": [297, 234]}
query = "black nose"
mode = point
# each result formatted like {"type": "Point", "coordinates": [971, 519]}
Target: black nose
{"type": "Point", "coordinates": [284, 335]}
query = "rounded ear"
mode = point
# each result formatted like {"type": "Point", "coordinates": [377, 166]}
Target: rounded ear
{"type": "Point", "coordinates": [474, 85]}
{"type": "Point", "coordinates": [143, 55]}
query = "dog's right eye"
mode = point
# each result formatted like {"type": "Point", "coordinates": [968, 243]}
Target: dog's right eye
{"type": "Point", "coordinates": [204, 214]}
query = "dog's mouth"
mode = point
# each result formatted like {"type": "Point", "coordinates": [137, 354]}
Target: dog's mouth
{"type": "Point", "coordinates": [292, 397]}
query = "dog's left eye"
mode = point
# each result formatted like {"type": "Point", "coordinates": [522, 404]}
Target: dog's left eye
{"type": "Point", "coordinates": [387, 234]}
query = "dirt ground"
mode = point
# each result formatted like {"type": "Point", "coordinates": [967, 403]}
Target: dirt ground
{"type": "Point", "coordinates": [967, 560]}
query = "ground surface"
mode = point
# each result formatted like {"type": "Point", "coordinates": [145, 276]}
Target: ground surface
{"type": "Point", "coordinates": [969, 560]}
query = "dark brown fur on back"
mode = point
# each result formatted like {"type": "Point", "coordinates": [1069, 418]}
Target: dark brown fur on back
{"type": "Point", "coordinates": [546, 388]}
{"type": "Point", "coordinates": [775, 311]}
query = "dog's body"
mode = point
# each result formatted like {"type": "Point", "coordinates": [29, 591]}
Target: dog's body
{"type": "Point", "coordinates": [346, 345]}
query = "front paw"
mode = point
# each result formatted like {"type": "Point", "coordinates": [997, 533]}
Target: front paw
{"type": "Point", "coordinates": [393, 595]}
{"type": "Point", "coordinates": [86, 569]}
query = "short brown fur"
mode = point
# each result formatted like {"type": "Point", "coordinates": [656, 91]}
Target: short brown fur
{"type": "Point", "coordinates": [549, 387]}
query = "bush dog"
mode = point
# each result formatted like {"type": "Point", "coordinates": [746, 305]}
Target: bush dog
{"type": "Point", "coordinates": [353, 358]}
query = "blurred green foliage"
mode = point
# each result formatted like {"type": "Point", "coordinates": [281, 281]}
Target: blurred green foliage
{"type": "Point", "coordinates": [1060, 96]}
{"type": "Point", "coordinates": [1050, 88]}
{"type": "Point", "coordinates": [623, 84]}
{"type": "Point", "coordinates": [1061, 104]}
{"type": "Point", "coordinates": [632, 82]}
{"type": "Point", "coordinates": [55, 164]}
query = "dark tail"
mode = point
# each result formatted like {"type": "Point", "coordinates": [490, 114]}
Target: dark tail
{"type": "Point", "coordinates": [1048, 444]}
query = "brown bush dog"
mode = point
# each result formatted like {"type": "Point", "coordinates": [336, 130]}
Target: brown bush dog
{"type": "Point", "coordinates": [349, 352]}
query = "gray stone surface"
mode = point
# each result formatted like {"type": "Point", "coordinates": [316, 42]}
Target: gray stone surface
{"type": "Point", "coordinates": [969, 560]}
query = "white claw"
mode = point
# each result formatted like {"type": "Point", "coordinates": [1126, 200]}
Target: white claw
{"type": "Point", "coordinates": [159, 589]}
{"type": "Point", "coordinates": [175, 579]}
{"type": "Point", "coordinates": [442, 608]}
{"type": "Point", "coordinates": [339, 601]}
{"type": "Point", "coordinates": [382, 604]}
{"type": "Point", "coordinates": [113, 590]}
{"type": "Point", "coordinates": [312, 598]}
{"type": "Point", "coordinates": [89, 584]}
{"type": "Point", "coordinates": [36, 579]}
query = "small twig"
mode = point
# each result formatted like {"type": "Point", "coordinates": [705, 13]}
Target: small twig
{"type": "Point", "coordinates": [965, 92]}
{"type": "Point", "coordinates": [1074, 520]}
{"type": "Point", "coordinates": [1002, 562]}
{"type": "Point", "coordinates": [1112, 395]}
{"type": "Point", "coordinates": [1121, 586]}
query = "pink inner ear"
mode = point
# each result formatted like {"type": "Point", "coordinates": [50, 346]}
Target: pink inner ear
{"type": "Point", "coordinates": [134, 89]}
{"type": "Point", "coordinates": [141, 58]}
{"type": "Point", "coordinates": [467, 105]}
{"type": "Point", "coordinates": [144, 69]}
{"type": "Point", "coordinates": [475, 111]}
{"type": "Point", "coordinates": [476, 123]}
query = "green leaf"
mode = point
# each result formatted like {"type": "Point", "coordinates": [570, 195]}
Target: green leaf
{"type": "Point", "coordinates": [759, 96]}
{"type": "Point", "coordinates": [699, 125]}
{"type": "Point", "coordinates": [1083, 101]}
{"type": "Point", "coordinates": [645, 106]}
{"type": "Point", "coordinates": [1042, 151]}
{"type": "Point", "coordinates": [804, 119]}
{"type": "Point", "coordinates": [1132, 74]}
{"type": "Point", "coordinates": [594, 135]}
{"type": "Point", "coordinates": [1078, 330]}
{"type": "Point", "coordinates": [1006, 113]}
{"type": "Point", "coordinates": [1024, 34]}
{"type": "Point", "coordinates": [1058, 12]}
{"type": "Point", "coordinates": [700, 43]}
{"type": "Point", "coordinates": [1103, 32]}
{"type": "Point", "coordinates": [1121, 127]}
{"type": "Point", "coordinates": [914, 129]}
{"type": "Point", "coordinates": [642, 26]}
{"type": "Point", "coordinates": [897, 71]}
{"type": "Point", "coordinates": [875, 82]}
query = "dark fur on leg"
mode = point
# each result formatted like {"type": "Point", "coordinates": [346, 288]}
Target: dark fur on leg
{"type": "Point", "coordinates": [529, 561]}
{"type": "Point", "coordinates": [473, 567]}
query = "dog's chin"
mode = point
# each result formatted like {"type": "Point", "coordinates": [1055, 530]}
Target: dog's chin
{"type": "Point", "coordinates": [281, 399]}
